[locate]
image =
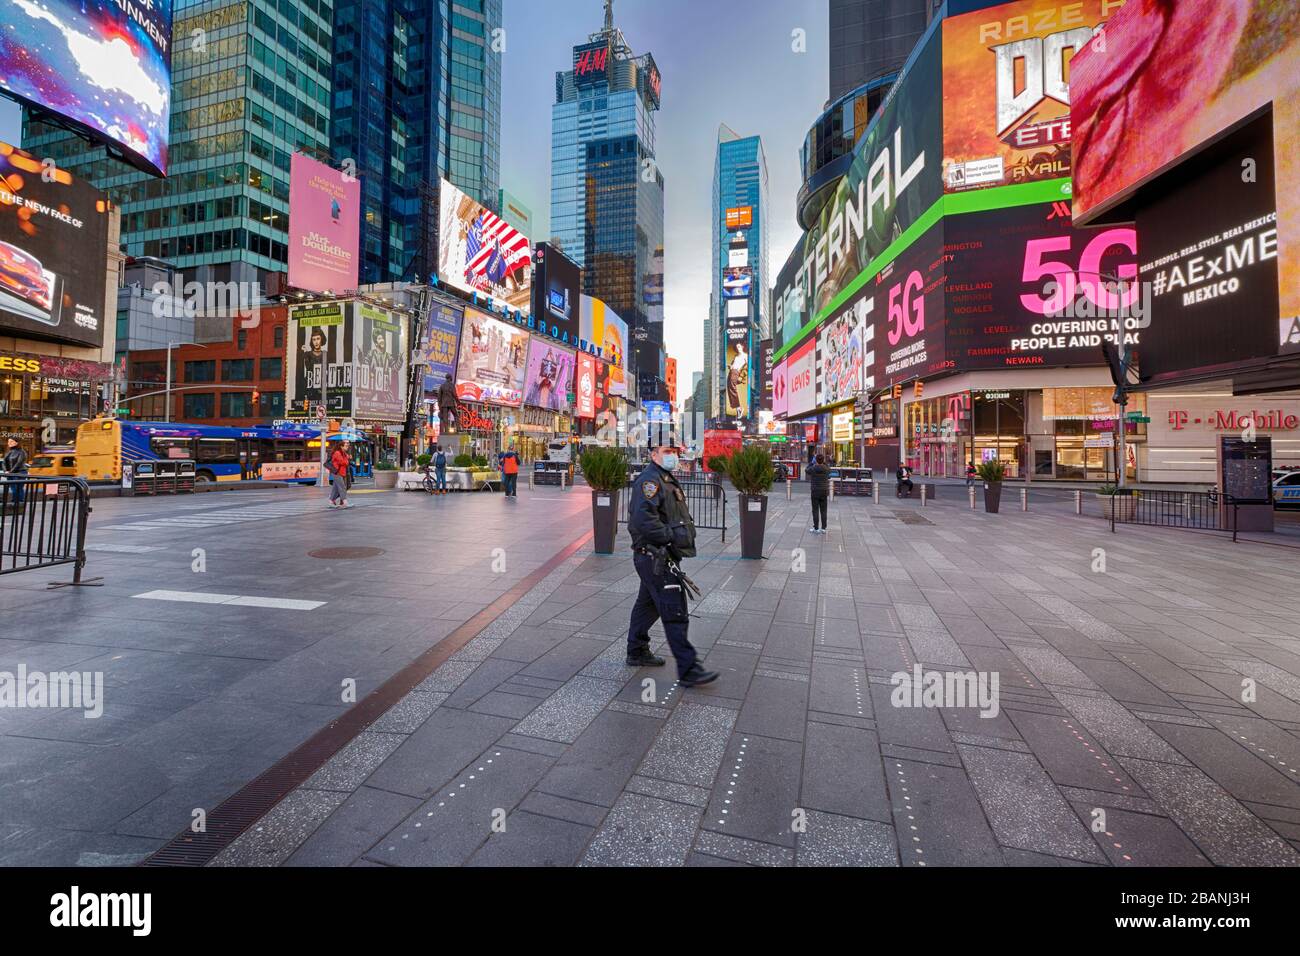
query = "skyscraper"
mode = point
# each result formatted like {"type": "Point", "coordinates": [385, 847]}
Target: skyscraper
{"type": "Point", "coordinates": [607, 194]}
{"type": "Point", "coordinates": [250, 84]}
{"type": "Point", "coordinates": [740, 269]}
{"type": "Point", "coordinates": [870, 39]}
{"type": "Point", "coordinates": [417, 98]}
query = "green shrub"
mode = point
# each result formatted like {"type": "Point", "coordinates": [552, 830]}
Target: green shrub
{"type": "Point", "coordinates": [604, 468]}
{"type": "Point", "coordinates": [991, 471]}
{"type": "Point", "coordinates": [385, 466]}
{"type": "Point", "coordinates": [717, 463]}
{"type": "Point", "coordinates": [1107, 490]}
{"type": "Point", "coordinates": [478, 461]}
{"type": "Point", "coordinates": [422, 461]}
{"type": "Point", "coordinates": [461, 461]}
{"type": "Point", "coordinates": [750, 470]}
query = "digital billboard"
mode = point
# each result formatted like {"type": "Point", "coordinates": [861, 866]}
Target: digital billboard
{"type": "Point", "coordinates": [478, 251]}
{"type": "Point", "coordinates": [601, 326]}
{"type": "Point", "coordinates": [493, 356]}
{"type": "Point", "coordinates": [1025, 288]}
{"type": "Point", "coordinates": [557, 290]}
{"type": "Point", "coordinates": [320, 346]}
{"type": "Point", "coordinates": [439, 343]}
{"type": "Point", "coordinates": [105, 65]}
{"type": "Point", "coordinates": [1006, 90]}
{"type": "Point", "coordinates": [379, 380]}
{"type": "Point", "coordinates": [893, 180]}
{"type": "Point", "coordinates": [740, 217]}
{"type": "Point", "coordinates": [780, 394]}
{"type": "Point", "coordinates": [909, 312]}
{"type": "Point", "coordinates": [738, 392]}
{"type": "Point", "coordinates": [53, 252]}
{"type": "Point", "coordinates": [652, 295]}
{"type": "Point", "coordinates": [801, 379]}
{"type": "Point", "coordinates": [549, 380]}
{"type": "Point", "coordinates": [1138, 109]}
{"type": "Point", "coordinates": [670, 378]}
{"type": "Point", "coordinates": [585, 391]}
{"type": "Point", "coordinates": [591, 62]}
{"type": "Point", "coordinates": [737, 282]}
{"type": "Point", "coordinates": [324, 226]}
{"type": "Point", "coordinates": [842, 352]}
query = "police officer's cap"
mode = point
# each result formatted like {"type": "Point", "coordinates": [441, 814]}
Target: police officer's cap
{"type": "Point", "coordinates": [669, 442]}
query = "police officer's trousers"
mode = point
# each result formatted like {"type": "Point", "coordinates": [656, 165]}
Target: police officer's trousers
{"type": "Point", "coordinates": [660, 598]}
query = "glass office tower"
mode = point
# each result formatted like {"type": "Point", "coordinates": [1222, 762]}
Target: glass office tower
{"type": "Point", "coordinates": [607, 194]}
{"type": "Point", "coordinates": [740, 266]}
{"type": "Point", "coordinates": [417, 98]}
{"type": "Point", "coordinates": [256, 88]}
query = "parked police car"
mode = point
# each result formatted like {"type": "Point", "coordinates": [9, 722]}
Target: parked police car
{"type": "Point", "coordinates": [1286, 488]}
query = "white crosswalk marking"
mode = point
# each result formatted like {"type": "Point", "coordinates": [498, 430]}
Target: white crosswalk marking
{"type": "Point", "coordinates": [217, 518]}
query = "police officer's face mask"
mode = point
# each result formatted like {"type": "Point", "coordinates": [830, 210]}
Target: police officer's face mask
{"type": "Point", "coordinates": [669, 462]}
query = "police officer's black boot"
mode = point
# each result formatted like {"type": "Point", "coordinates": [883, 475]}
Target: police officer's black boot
{"type": "Point", "coordinates": [644, 658]}
{"type": "Point", "coordinates": [696, 676]}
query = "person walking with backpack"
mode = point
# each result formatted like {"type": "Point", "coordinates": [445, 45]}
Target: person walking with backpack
{"type": "Point", "coordinates": [340, 464]}
{"type": "Point", "coordinates": [819, 478]}
{"type": "Point", "coordinates": [440, 469]}
{"type": "Point", "coordinates": [509, 460]}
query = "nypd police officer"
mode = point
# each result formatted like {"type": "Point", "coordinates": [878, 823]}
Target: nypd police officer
{"type": "Point", "coordinates": [663, 533]}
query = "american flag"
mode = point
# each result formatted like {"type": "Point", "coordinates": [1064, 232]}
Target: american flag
{"type": "Point", "coordinates": [494, 250]}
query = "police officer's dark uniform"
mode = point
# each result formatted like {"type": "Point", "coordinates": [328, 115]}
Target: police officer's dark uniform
{"type": "Point", "coordinates": [663, 532]}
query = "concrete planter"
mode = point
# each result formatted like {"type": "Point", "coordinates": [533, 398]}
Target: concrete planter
{"type": "Point", "coordinates": [1120, 507]}
{"type": "Point", "coordinates": [753, 524]}
{"type": "Point", "coordinates": [385, 479]}
{"type": "Point", "coordinates": [604, 520]}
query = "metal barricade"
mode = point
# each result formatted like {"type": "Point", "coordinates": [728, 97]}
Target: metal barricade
{"type": "Point", "coordinates": [707, 501]}
{"type": "Point", "coordinates": [167, 476]}
{"type": "Point", "coordinates": [557, 473]}
{"type": "Point", "coordinates": [43, 525]}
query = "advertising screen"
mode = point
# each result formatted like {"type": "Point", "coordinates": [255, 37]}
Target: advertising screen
{"type": "Point", "coordinates": [737, 283]}
{"type": "Point", "coordinates": [53, 252]}
{"type": "Point", "coordinates": [103, 64]}
{"type": "Point", "coordinates": [320, 344]}
{"type": "Point", "coordinates": [765, 349]}
{"type": "Point", "coordinates": [1006, 90]}
{"type": "Point", "coordinates": [379, 381]}
{"type": "Point", "coordinates": [493, 355]}
{"type": "Point", "coordinates": [653, 287]}
{"type": "Point", "coordinates": [893, 181]}
{"type": "Point", "coordinates": [591, 63]}
{"type": "Point", "coordinates": [842, 347]}
{"type": "Point", "coordinates": [549, 380]}
{"type": "Point", "coordinates": [324, 226]}
{"type": "Point", "coordinates": [557, 289]}
{"type": "Point", "coordinates": [585, 392]}
{"type": "Point", "coordinates": [438, 348]}
{"type": "Point", "coordinates": [601, 326]}
{"type": "Point", "coordinates": [1025, 288]}
{"type": "Point", "coordinates": [670, 378]}
{"type": "Point", "coordinates": [658, 412]}
{"type": "Point", "coordinates": [908, 311]}
{"type": "Point", "coordinates": [1138, 110]}
{"type": "Point", "coordinates": [478, 251]}
{"type": "Point", "coordinates": [740, 217]}
{"type": "Point", "coordinates": [738, 394]}
{"type": "Point", "coordinates": [1212, 266]}
{"type": "Point", "coordinates": [800, 380]}
{"type": "Point", "coordinates": [780, 394]}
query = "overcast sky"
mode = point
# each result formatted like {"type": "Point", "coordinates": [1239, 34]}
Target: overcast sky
{"type": "Point", "coordinates": [723, 61]}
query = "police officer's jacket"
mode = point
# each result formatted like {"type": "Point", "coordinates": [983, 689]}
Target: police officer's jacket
{"type": "Point", "coordinates": [657, 513]}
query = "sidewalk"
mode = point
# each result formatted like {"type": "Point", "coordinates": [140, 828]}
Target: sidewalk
{"type": "Point", "coordinates": [1121, 738]}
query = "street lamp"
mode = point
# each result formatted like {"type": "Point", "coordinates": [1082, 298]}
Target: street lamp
{"type": "Point", "coordinates": [167, 393]}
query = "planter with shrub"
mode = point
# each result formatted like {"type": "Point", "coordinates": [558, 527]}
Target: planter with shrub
{"type": "Point", "coordinates": [385, 474]}
{"type": "Point", "coordinates": [1117, 504]}
{"type": "Point", "coordinates": [992, 473]}
{"type": "Point", "coordinates": [605, 470]}
{"type": "Point", "coordinates": [750, 471]}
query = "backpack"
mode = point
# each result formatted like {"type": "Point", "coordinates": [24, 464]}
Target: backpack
{"type": "Point", "coordinates": [510, 465]}
{"type": "Point", "coordinates": [440, 460]}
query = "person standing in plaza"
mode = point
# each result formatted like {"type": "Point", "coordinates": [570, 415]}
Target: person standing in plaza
{"type": "Point", "coordinates": [819, 480]}
{"type": "Point", "coordinates": [14, 465]}
{"type": "Point", "coordinates": [340, 464]}
{"type": "Point", "coordinates": [509, 460]}
{"type": "Point", "coordinates": [663, 532]}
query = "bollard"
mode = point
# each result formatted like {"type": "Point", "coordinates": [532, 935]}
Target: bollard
{"type": "Point", "coordinates": [922, 494]}
{"type": "Point", "coordinates": [1078, 502]}
{"type": "Point", "coordinates": [561, 479]}
{"type": "Point", "coordinates": [788, 489]}
{"type": "Point", "coordinates": [530, 480]}
{"type": "Point", "coordinates": [970, 491]}
{"type": "Point", "coordinates": [875, 491]}
{"type": "Point", "coordinates": [832, 489]}
{"type": "Point", "coordinates": [1024, 499]}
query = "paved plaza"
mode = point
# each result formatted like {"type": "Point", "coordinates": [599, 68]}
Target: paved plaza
{"type": "Point", "coordinates": [1147, 708]}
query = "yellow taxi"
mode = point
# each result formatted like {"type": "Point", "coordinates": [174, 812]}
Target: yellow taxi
{"type": "Point", "coordinates": [54, 463]}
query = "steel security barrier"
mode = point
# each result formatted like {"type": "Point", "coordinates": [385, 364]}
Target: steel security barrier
{"type": "Point", "coordinates": [43, 525]}
{"type": "Point", "coordinates": [707, 501]}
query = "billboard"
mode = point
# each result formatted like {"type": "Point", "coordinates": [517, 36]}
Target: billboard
{"type": "Point", "coordinates": [324, 226]}
{"type": "Point", "coordinates": [780, 394]}
{"type": "Point", "coordinates": [1025, 289]}
{"type": "Point", "coordinates": [893, 180]}
{"type": "Point", "coordinates": [601, 326]}
{"type": "Point", "coordinates": [379, 380]}
{"type": "Point", "coordinates": [737, 282]}
{"type": "Point", "coordinates": [670, 378]}
{"type": "Point", "coordinates": [1136, 115]}
{"type": "Point", "coordinates": [492, 360]}
{"type": "Point", "coordinates": [585, 393]}
{"type": "Point", "coordinates": [842, 350]}
{"type": "Point", "coordinates": [557, 289]}
{"type": "Point", "coordinates": [53, 252]}
{"type": "Point", "coordinates": [737, 308]}
{"type": "Point", "coordinates": [478, 251]}
{"type": "Point", "coordinates": [653, 287]}
{"type": "Point", "coordinates": [105, 65]}
{"type": "Point", "coordinates": [908, 310]}
{"type": "Point", "coordinates": [765, 392]}
{"type": "Point", "coordinates": [740, 217]}
{"type": "Point", "coordinates": [438, 344]}
{"type": "Point", "coordinates": [320, 348]}
{"type": "Point", "coordinates": [738, 392]}
{"type": "Point", "coordinates": [800, 378]}
{"type": "Point", "coordinates": [549, 379]}
{"type": "Point", "coordinates": [1006, 90]}
{"type": "Point", "coordinates": [591, 62]}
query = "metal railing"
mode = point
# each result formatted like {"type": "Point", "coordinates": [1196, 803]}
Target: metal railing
{"type": "Point", "coordinates": [1196, 510]}
{"type": "Point", "coordinates": [167, 476]}
{"type": "Point", "coordinates": [43, 525]}
{"type": "Point", "coordinates": [707, 501]}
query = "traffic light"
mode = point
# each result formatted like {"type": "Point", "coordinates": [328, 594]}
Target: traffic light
{"type": "Point", "coordinates": [917, 388]}
{"type": "Point", "coordinates": [898, 390]}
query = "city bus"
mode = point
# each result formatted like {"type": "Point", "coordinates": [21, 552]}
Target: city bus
{"type": "Point", "coordinates": [219, 453]}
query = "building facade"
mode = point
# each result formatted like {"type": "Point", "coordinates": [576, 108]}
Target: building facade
{"type": "Point", "coordinates": [607, 193]}
{"type": "Point", "coordinates": [739, 270]}
{"type": "Point", "coordinates": [870, 39]}
{"type": "Point", "coordinates": [416, 98]}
